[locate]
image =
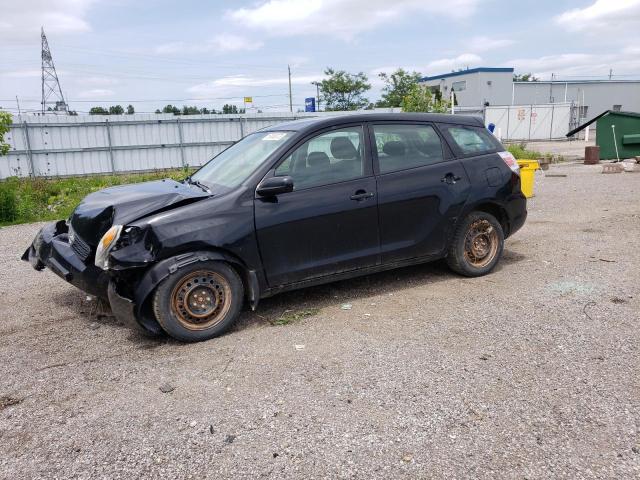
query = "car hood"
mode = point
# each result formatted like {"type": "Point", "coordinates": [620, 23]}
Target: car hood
{"type": "Point", "coordinates": [126, 203]}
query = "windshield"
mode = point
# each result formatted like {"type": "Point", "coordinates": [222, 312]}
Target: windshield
{"type": "Point", "coordinates": [231, 167]}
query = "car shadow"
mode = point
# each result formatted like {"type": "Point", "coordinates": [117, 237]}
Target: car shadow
{"type": "Point", "coordinates": [308, 300]}
{"type": "Point", "coordinates": [312, 299]}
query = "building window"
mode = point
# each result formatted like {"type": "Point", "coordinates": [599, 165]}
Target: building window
{"type": "Point", "coordinates": [459, 86]}
{"type": "Point", "coordinates": [617, 108]}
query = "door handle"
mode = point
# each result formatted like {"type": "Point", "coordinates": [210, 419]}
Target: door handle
{"type": "Point", "coordinates": [361, 195]}
{"type": "Point", "coordinates": [450, 178]}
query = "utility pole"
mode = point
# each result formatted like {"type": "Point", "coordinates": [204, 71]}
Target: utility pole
{"type": "Point", "coordinates": [51, 90]}
{"type": "Point", "coordinates": [290, 97]}
{"type": "Point", "coordinates": [18, 104]}
{"type": "Point", "coordinates": [551, 88]}
{"type": "Point", "coordinates": [317, 84]}
{"type": "Point", "coordinates": [610, 73]}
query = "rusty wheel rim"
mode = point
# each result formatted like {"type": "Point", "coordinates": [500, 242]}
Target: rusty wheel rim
{"type": "Point", "coordinates": [201, 300]}
{"type": "Point", "coordinates": [481, 243]}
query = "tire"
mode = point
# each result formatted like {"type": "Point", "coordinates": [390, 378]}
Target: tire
{"type": "Point", "coordinates": [199, 301]}
{"type": "Point", "coordinates": [474, 259]}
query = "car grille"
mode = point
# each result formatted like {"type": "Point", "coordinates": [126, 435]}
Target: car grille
{"type": "Point", "coordinates": [79, 246]}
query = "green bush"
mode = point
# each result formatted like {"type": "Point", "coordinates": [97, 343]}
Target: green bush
{"type": "Point", "coordinates": [8, 203]}
{"type": "Point", "coordinates": [519, 150]}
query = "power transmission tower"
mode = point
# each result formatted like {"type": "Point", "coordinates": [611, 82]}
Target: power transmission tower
{"type": "Point", "coordinates": [51, 91]}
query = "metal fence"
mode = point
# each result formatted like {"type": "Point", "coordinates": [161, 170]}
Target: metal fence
{"type": "Point", "coordinates": [50, 146]}
{"type": "Point", "coordinates": [530, 122]}
{"type": "Point", "coordinates": [79, 145]}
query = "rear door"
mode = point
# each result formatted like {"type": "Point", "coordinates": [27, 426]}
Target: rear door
{"type": "Point", "coordinates": [329, 223]}
{"type": "Point", "coordinates": [421, 189]}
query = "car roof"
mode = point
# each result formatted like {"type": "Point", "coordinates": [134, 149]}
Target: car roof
{"type": "Point", "coordinates": [314, 123]}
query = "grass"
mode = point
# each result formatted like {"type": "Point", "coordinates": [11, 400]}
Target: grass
{"type": "Point", "coordinates": [24, 200]}
{"type": "Point", "coordinates": [290, 316]}
{"type": "Point", "coordinates": [519, 150]}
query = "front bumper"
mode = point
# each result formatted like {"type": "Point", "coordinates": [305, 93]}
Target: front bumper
{"type": "Point", "coordinates": [50, 248]}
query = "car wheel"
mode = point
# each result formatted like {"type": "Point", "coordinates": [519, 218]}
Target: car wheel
{"type": "Point", "coordinates": [477, 245]}
{"type": "Point", "coordinates": [199, 301]}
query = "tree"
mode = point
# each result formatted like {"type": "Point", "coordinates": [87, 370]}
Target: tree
{"type": "Point", "coordinates": [187, 110]}
{"type": "Point", "coordinates": [421, 99]}
{"type": "Point", "coordinates": [98, 111]}
{"type": "Point", "coordinates": [171, 109]}
{"type": "Point", "coordinates": [526, 77]}
{"type": "Point", "coordinates": [397, 86]}
{"type": "Point", "coordinates": [5, 125]}
{"type": "Point", "coordinates": [227, 109]}
{"type": "Point", "coordinates": [343, 90]}
{"type": "Point", "coordinates": [116, 110]}
{"type": "Point", "coordinates": [130, 110]}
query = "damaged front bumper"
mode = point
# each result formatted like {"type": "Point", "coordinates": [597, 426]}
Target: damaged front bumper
{"type": "Point", "coordinates": [51, 249]}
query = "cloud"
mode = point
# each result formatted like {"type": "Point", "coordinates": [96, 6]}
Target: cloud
{"type": "Point", "coordinates": [22, 19]}
{"type": "Point", "coordinates": [435, 67]}
{"type": "Point", "coordinates": [482, 43]}
{"type": "Point", "coordinates": [23, 73]}
{"type": "Point", "coordinates": [445, 65]}
{"type": "Point", "coordinates": [344, 18]}
{"type": "Point", "coordinates": [219, 44]}
{"type": "Point", "coordinates": [603, 15]}
{"type": "Point", "coordinates": [95, 93]}
{"type": "Point", "coordinates": [232, 83]}
{"type": "Point", "coordinates": [583, 65]}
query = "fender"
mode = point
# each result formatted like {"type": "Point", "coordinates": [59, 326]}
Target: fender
{"type": "Point", "coordinates": [489, 205]}
{"type": "Point", "coordinates": [164, 268]}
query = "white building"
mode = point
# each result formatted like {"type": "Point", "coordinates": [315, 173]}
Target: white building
{"type": "Point", "coordinates": [475, 87]}
{"type": "Point", "coordinates": [479, 87]}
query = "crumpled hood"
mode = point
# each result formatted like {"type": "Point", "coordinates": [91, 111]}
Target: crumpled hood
{"type": "Point", "coordinates": [126, 203]}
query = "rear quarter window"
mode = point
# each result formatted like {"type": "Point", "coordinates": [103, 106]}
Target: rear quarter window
{"type": "Point", "coordinates": [469, 140]}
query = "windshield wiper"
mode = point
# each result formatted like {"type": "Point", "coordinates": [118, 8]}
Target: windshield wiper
{"type": "Point", "coordinates": [197, 183]}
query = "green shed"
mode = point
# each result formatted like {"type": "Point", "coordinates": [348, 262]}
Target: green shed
{"type": "Point", "coordinates": [616, 128]}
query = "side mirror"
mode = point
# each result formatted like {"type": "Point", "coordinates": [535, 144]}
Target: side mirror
{"type": "Point", "coordinates": [274, 186]}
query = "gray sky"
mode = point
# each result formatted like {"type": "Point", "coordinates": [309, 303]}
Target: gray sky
{"type": "Point", "coordinates": [150, 53]}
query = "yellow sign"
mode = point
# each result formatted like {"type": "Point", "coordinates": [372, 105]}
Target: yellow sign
{"type": "Point", "coordinates": [248, 99]}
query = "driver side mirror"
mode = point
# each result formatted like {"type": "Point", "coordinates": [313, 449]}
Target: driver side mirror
{"type": "Point", "coordinates": [274, 186]}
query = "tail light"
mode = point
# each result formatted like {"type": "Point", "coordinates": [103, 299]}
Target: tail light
{"type": "Point", "coordinates": [511, 162]}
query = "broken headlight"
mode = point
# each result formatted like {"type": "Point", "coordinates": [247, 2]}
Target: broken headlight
{"type": "Point", "coordinates": [106, 244]}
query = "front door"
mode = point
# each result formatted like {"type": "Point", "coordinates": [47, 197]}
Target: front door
{"type": "Point", "coordinates": [420, 190]}
{"type": "Point", "coordinates": [329, 223]}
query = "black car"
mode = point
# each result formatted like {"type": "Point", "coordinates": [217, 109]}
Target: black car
{"type": "Point", "coordinates": [290, 206]}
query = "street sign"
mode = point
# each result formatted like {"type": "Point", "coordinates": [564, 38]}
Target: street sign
{"type": "Point", "coordinates": [310, 104]}
{"type": "Point", "coordinates": [248, 99]}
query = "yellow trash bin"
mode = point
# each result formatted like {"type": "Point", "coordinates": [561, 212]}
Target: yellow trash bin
{"type": "Point", "coordinates": [527, 176]}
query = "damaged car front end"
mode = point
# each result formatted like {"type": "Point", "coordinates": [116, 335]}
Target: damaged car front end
{"type": "Point", "coordinates": [98, 252]}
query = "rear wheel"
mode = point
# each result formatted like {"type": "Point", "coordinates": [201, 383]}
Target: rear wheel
{"type": "Point", "coordinates": [477, 245]}
{"type": "Point", "coordinates": [199, 301]}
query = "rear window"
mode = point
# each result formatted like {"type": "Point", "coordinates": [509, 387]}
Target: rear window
{"type": "Point", "coordinates": [473, 140]}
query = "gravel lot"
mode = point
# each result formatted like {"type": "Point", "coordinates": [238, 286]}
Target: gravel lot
{"type": "Point", "coordinates": [530, 372]}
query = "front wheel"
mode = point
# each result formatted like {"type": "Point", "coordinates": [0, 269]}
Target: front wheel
{"type": "Point", "coordinates": [199, 301]}
{"type": "Point", "coordinates": [477, 245]}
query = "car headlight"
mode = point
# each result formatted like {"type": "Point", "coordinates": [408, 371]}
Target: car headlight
{"type": "Point", "coordinates": [106, 244]}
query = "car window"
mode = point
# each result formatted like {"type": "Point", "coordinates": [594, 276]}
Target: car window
{"type": "Point", "coordinates": [473, 140]}
{"type": "Point", "coordinates": [331, 157]}
{"type": "Point", "coordinates": [406, 146]}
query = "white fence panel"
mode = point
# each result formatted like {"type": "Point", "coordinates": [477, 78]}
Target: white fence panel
{"type": "Point", "coordinates": [82, 145]}
{"type": "Point", "coordinates": [530, 122]}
